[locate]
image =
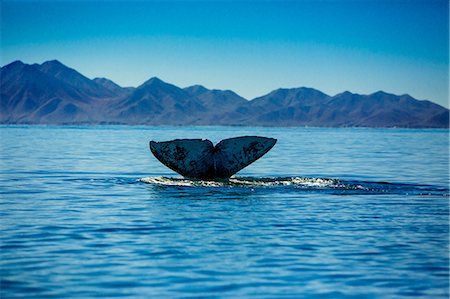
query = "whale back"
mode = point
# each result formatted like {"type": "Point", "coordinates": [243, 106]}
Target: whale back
{"type": "Point", "coordinates": [200, 159]}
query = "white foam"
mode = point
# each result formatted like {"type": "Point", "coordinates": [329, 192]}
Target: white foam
{"type": "Point", "coordinates": [244, 182]}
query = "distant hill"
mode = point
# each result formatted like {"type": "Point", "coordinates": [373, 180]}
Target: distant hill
{"type": "Point", "coordinates": [52, 93]}
{"type": "Point", "coordinates": [310, 107]}
{"type": "Point", "coordinates": [156, 102]}
{"type": "Point", "coordinates": [30, 95]}
{"type": "Point", "coordinates": [113, 87]}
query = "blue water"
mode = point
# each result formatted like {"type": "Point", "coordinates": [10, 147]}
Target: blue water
{"type": "Point", "coordinates": [328, 213]}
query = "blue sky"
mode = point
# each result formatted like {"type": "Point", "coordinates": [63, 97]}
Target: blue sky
{"type": "Point", "coordinates": [252, 48]}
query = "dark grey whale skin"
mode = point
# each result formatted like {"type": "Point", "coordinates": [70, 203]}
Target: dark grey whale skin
{"type": "Point", "coordinates": [200, 159]}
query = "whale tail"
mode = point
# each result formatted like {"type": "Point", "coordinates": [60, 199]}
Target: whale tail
{"type": "Point", "coordinates": [200, 159]}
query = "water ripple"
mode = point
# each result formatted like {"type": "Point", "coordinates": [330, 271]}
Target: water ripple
{"type": "Point", "coordinates": [328, 213]}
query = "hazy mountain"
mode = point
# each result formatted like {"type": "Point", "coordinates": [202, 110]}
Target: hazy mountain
{"type": "Point", "coordinates": [30, 96]}
{"type": "Point", "coordinates": [157, 102]}
{"type": "Point", "coordinates": [310, 107]}
{"type": "Point", "coordinates": [70, 76]}
{"type": "Point", "coordinates": [218, 104]}
{"type": "Point", "coordinates": [52, 93]}
{"type": "Point", "coordinates": [284, 107]}
{"type": "Point", "coordinates": [382, 109]}
{"type": "Point", "coordinates": [113, 87]}
{"type": "Point", "coordinates": [222, 100]}
{"type": "Point", "coordinates": [196, 90]}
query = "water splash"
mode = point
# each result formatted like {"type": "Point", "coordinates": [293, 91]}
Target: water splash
{"type": "Point", "coordinates": [302, 184]}
{"type": "Point", "coordinates": [242, 182]}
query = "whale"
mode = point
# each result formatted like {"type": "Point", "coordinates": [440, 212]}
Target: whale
{"type": "Point", "coordinates": [201, 159]}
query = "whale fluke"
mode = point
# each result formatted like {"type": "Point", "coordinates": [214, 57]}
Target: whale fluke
{"type": "Point", "coordinates": [189, 157]}
{"type": "Point", "coordinates": [200, 159]}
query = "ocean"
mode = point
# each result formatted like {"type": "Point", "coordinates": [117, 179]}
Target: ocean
{"type": "Point", "coordinates": [88, 212]}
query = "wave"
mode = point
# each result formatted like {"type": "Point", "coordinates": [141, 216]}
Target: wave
{"type": "Point", "coordinates": [301, 184]}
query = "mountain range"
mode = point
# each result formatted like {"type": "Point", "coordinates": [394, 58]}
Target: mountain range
{"type": "Point", "coordinates": [52, 93]}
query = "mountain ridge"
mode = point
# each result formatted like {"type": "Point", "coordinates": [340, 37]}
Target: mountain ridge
{"type": "Point", "coordinates": [52, 93]}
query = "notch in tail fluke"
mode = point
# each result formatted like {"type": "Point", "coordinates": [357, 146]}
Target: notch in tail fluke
{"type": "Point", "coordinates": [200, 159]}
